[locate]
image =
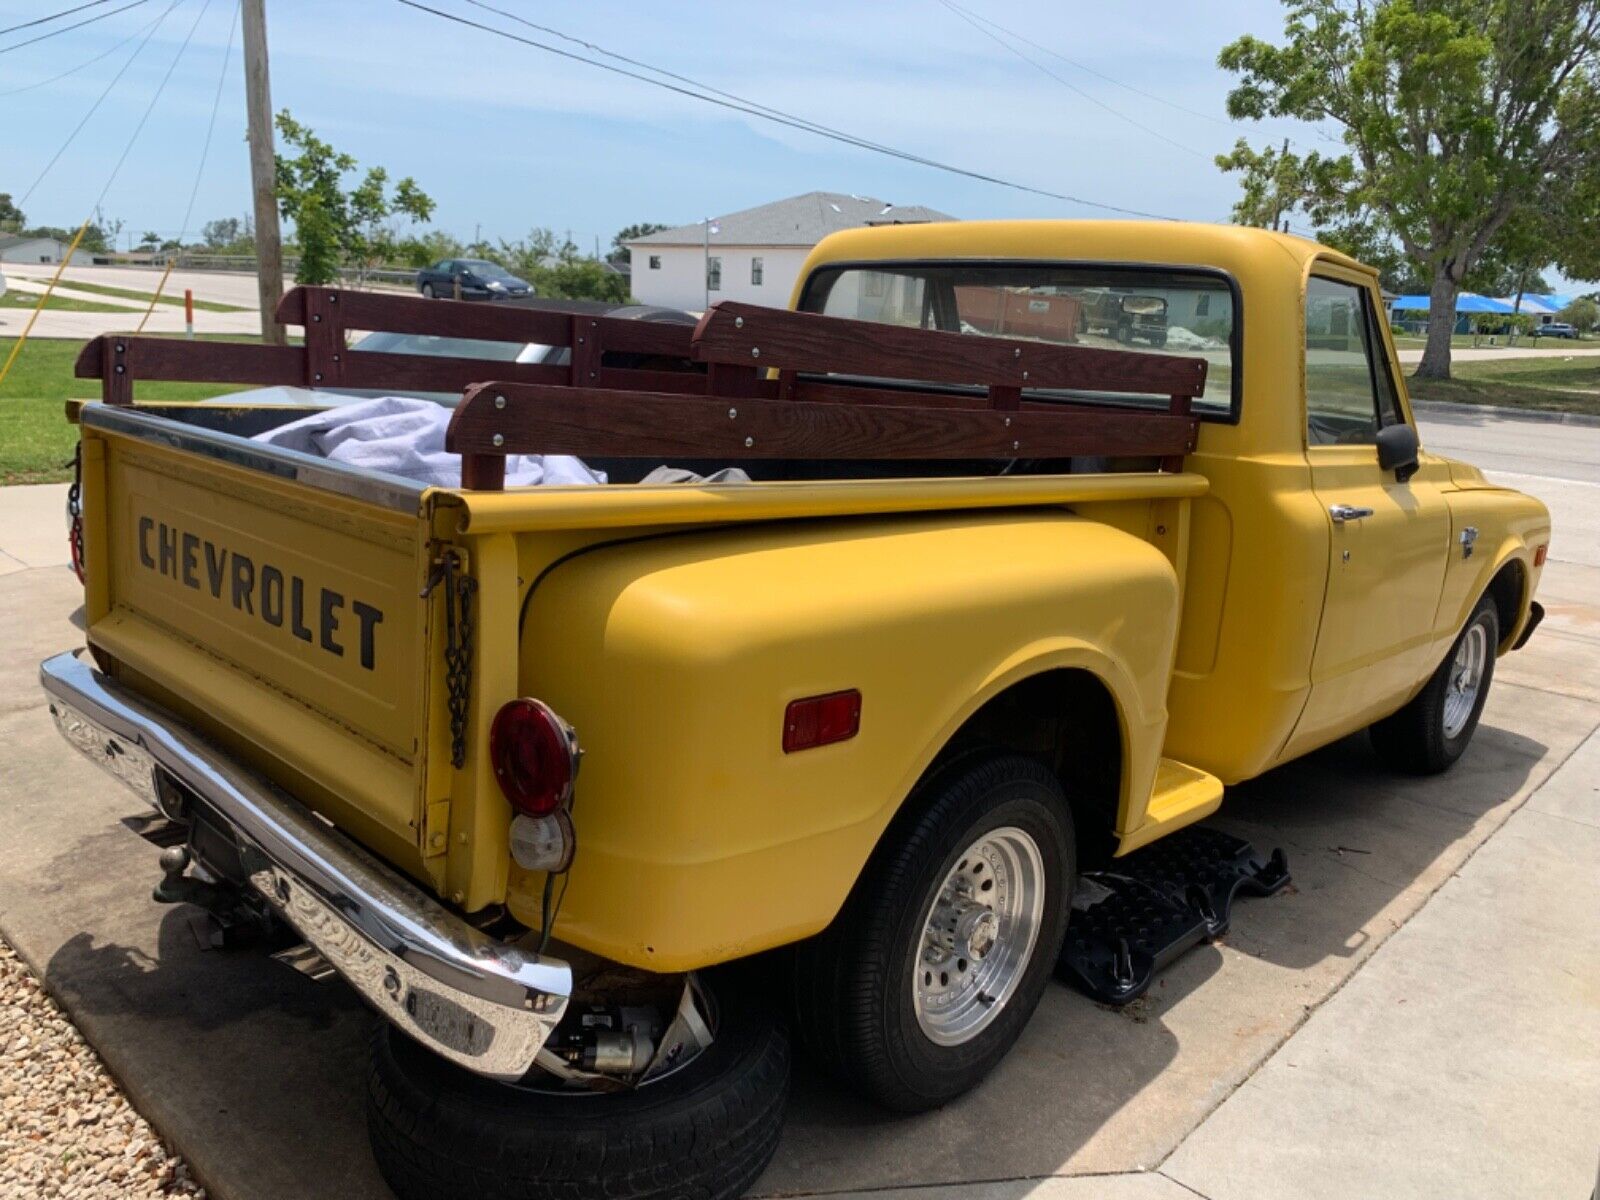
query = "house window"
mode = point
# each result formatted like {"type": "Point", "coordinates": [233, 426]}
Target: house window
{"type": "Point", "coordinates": [714, 274]}
{"type": "Point", "coordinates": [655, 262]}
{"type": "Point", "coordinates": [755, 272]}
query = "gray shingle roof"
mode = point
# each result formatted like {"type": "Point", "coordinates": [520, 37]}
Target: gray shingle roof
{"type": "Point", "coordinates": [798, 221]}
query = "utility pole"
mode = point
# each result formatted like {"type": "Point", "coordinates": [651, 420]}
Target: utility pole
{"type": "Point", "coordinates": [263, 171]}
{"type": "Point", "coordinates": [1277, 194]}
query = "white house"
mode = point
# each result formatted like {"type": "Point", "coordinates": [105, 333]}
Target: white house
{"type": "Point", "coordinates": [16, 249]}
{"type": "Point", "coordinates": [754, 255]}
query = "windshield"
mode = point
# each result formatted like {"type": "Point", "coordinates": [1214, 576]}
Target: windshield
{"type": "Point", "coordinates": [1143, 309]}
{"type": "Point", "coordinates": [447, 347]}
{"type": "Point", "coordinates": [488, 270]}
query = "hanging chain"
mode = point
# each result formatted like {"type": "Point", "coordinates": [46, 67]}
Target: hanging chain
{"type": "Point", "coordinates": [75, 513]}
{"type": "Point", "coordinates": [458, 591]}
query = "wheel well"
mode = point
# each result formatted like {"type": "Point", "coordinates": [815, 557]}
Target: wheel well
{"type": "Point", "coordinates": [1506, 590]}
{"type": "Point", "coordinates": [1068, 720]}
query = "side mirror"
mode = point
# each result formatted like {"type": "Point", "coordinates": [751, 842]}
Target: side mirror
{"type": "Point", "coordinates": [1397, 451]}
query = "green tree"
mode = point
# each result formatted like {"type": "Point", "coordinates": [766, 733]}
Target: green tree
{"type": "Point", "coordinates": [336, 223]}
{"type": "Point", "coordinates": [619, 251]}
{"type": "Point", "coordinates": [425, 249]}
{"type": "Point", "coordinates": [1583, 314]}
{"type": "Point", "coordinates": [556, 268]}
{"type": "Point", "coordinates": [1456, 116]}
{"type": "Point", "coordinates": [11, 218]}
{"type": "Point", "coordinates": [223, 231]}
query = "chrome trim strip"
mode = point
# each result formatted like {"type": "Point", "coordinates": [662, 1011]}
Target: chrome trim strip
{"type": "Point", "coordinates": [484, 1004]}
{"type": "Point", "coordinates": [375, 487]}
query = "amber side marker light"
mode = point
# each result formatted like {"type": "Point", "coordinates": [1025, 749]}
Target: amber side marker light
{"type": "Point", "coordinates": [1538, 555]}
{"type": "Point", "coordinates": [819, 720]}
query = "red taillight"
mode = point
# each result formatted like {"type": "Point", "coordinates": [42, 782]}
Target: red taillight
{"type": "Point", "coordinates": [535, 756]}
{"type": "Point", "coordinates": [1538, 555]}
{"type": "Point", "coordinates": [818, 720]}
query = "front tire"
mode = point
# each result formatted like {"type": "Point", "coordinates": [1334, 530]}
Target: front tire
{"type": "Point", "coordinates": [940, 955]}
{"type": "Point", "coordinates": [427, 291]}
{"type": "Point", "coordinates": [1433, 730]}
{"type": "Point", "coordinates": [706, 1131]}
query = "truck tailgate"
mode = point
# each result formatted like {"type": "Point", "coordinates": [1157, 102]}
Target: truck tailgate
{"type": "Point", "coordinates": [283, 619]}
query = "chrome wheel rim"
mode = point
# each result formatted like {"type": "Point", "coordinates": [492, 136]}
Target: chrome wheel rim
{"type": "Point", "coordinates": [1466, 680]}
{"type": "Point", "coordinates": [978, 936]}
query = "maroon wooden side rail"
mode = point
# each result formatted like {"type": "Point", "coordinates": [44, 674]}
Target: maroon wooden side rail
{"type": "Point", "coordinates": [746, 382]}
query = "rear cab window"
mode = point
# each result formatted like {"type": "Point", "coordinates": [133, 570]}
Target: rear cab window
{"type": "Point", "coordinates": [1193, 312]}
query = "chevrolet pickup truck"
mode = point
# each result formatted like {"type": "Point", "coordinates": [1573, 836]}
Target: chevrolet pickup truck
{"type": "Point", "coordinates": [990, 612]}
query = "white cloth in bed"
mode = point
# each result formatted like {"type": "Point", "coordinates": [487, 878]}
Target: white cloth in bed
{"type": "Point", "coordinates": [405, 437]}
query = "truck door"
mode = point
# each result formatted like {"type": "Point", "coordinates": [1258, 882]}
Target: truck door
{"type": "Point", "coordinates": [1387, 540]}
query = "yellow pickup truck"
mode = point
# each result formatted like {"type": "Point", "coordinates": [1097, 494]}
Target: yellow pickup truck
{"type": "Point", "coordinates": [1013, 587]}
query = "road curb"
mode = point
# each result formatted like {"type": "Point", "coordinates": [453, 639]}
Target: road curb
{"type": "Point", "coordinates": [1444, 408]}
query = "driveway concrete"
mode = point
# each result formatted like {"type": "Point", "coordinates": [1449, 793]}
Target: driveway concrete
{"type": "Point", "coordinates": [1281, 1060]}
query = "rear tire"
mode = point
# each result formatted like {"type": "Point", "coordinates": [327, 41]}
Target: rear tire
{"type": "Point", "coordinates": [975, 839]}
{"type": "Point", "coordinates": [1433, 730]}
{"type": "Point", "coordinates": [705, 1131]}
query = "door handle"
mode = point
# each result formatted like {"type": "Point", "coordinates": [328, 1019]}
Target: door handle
{"type": "Point", "coordinates": [1347, 512]}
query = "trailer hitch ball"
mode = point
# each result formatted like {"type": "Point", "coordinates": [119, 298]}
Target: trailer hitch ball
{"type": "Point", "coordinates": [174, 861]}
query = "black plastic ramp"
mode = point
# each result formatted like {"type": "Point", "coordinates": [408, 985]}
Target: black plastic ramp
{"type": "Point", "coordinates": [1139, 914]}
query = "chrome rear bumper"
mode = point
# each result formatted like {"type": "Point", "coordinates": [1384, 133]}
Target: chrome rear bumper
{"type": "Point", "coordinates": [484, 1004]}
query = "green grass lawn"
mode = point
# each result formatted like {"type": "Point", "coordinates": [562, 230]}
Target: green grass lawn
{"type": "Point", "coordinates": [167, 297]}
{"type": "Point", "coordinates": [1559, 383]}
{"type": "Point", "coordinates": [35, 437]}
{"type": "Point", "coordinates": [30, 300]}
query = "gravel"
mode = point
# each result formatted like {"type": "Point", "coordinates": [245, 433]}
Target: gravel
{"type": "Point", "coordinates": [66, 1129]}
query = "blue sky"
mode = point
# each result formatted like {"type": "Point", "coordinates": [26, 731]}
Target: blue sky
{"type": "Point", "coordinates": [506, 138]}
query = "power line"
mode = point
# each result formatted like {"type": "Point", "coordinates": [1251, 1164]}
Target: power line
{"type": "Point", "coordinates": [65, 12]}
{"type": "Point", "coordinates": [695, 83]}
{"type": "Point", "coordinates": [78, 128]}
{"type": "Point", "coordinates": [1072, 87]}
{"type": "Point", "coordinates": [149, 108]}
{"type": "Point", "coordinates": [86, 63]}
{"type": "Point", "coordinates": [211, 125]}
{"type": "Point", "coordinates": [779, 117]}
{"type": "Point", "coordinates": [70, 28]}
{"type": "Point", "coordinates": [1193, 112]}
{"type": "Point", "coordinates": [199, 171]}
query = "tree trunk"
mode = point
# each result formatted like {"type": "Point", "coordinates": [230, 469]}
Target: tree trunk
{"type": "Point", "coordinates": [1435, 362]}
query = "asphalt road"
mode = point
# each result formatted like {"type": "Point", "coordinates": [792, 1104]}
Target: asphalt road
{"type": "Point", "coordinates": [1418, 1016]}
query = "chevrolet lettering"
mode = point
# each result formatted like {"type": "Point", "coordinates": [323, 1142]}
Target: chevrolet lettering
{"type": "Point", "coordinates": [257, 590]}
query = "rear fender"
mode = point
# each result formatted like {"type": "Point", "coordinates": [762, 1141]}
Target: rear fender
{"type": "Point", "coordinates": [699, 839]}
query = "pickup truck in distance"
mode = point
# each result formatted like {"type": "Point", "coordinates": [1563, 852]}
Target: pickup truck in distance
{"type": "Point", "coordinates": [990, 612]}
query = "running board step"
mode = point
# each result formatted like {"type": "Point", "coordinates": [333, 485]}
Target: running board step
{"type": "Point", "coordinates": [1148, 907]}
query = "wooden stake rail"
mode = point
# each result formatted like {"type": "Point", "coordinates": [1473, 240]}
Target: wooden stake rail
{"type": "Point", "coordinates": [331, 315]}
{"type": "Point", "coordinates": [746, 383]}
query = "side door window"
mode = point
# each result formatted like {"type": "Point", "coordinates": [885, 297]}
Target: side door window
{"type": "Point", "coordinates": [1342, 370]}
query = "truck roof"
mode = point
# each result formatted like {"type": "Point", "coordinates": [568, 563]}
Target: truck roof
{"type": "Point", "coordinates": [1235, 248]}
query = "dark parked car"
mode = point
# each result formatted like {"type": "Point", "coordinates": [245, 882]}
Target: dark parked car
{"type": "Point", "coordinates": [478, 280]}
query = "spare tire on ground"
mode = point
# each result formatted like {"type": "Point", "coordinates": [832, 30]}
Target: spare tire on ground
{"type": "Point", "coordinates": [706, 1131]}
